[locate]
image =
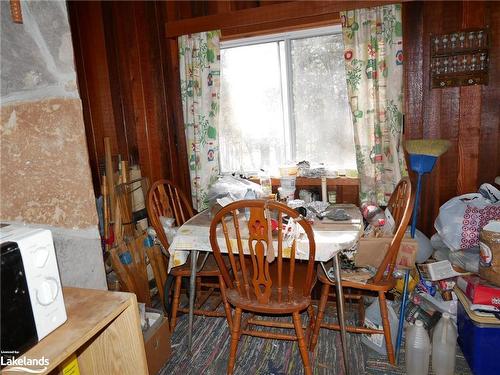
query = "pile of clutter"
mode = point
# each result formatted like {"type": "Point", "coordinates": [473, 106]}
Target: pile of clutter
{"type": "Point", "coordinates": [453, 290]}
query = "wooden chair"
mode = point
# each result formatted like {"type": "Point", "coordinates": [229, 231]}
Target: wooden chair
{"type": "Point", "coordinates": [165, 199]}
{"type": "Point", "coordinates": [401, 206]}
{"type": "Point", "coordinates": [257, 283]}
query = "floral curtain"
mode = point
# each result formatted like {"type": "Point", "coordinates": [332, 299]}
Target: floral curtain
{"type": "Point", "coordinates": [373, 44]}
{"type": "Point", "coordinates": [199, 65]}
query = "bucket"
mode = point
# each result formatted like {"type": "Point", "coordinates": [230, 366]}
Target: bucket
{"type": "Point", "coordinates": [489, 249]}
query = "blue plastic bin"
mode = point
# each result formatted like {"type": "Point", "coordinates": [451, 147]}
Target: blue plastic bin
{"type": "Point", "coordinates": [479, 342]}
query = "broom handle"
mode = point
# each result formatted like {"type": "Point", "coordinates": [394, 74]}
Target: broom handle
{"type": "Point", "coordinates": [416, 207]}
{"type": "Point", "coordinates": [402, 309]}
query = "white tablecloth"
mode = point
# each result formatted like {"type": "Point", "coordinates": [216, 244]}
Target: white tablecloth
{"type": "Point", "coordinates": [330, 237]}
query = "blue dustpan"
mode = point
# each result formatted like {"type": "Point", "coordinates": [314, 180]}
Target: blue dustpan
{"type": "Point", "coordinates": [420, 164]}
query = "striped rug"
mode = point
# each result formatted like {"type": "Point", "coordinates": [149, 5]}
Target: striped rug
{"type": "Point", "coordinates": [211, 339]}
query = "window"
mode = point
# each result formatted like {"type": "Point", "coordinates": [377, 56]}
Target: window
{"type": "Point", "coordinates": [284, 98]}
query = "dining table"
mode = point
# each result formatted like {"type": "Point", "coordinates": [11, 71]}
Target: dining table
{"type": "Point", "coordinates": [331, 238]}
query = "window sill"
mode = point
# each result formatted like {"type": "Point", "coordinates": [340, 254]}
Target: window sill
{"type": "Point", "coordinates": [313, 182]}
{"type": "Point", "coordinates": [346, 188]}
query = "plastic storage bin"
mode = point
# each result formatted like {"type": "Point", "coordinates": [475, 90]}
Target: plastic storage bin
{"type": "Point", "coordinates": [478, 340]}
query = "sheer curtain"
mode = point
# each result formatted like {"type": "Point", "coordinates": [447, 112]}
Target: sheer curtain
{"type": "Point", "coordinates": [373, 56]}
{"type": "Point", "coordinates": [199, 66]}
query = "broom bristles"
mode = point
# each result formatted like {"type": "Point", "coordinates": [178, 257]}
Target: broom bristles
{"type": "Point", "coordinates": [432, 147]}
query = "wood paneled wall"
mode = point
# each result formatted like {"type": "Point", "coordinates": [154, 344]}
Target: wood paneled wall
{"type": "Point", "coordinates": [128, 76]}
{"type": "Point", "coordinates": [467, 116]}
{"type": "Point", "coordinates": [122, 76]}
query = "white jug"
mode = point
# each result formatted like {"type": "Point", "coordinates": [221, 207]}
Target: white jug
{"type": "Point", "coordinates": [418, 349]}
{"type": "Point", "coordinates": [444, 341]}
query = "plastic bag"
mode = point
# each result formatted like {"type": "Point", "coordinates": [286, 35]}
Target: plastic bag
{"type": "Point", "coordinates": [424, 246]}
{"type": "Point", "coordinates": [461, 218]}
{"type": "Point", "coordinates": [233, 187]}
{"type": "Point", "coordinates": [168, 226]}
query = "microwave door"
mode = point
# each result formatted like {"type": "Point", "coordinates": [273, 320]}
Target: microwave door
{"type": "Point", "coordinates": [17, 322]}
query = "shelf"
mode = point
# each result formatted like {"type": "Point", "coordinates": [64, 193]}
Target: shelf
{"type": "Point", "coordinates": [459, 52]}
{"type": "Point", "coordinates": [346, 188]}
{"type": "Point", "coordinates": [460, 74]}
{"type": "Point", "coordinates": [308, 181]}
{"type": "Point", "coordinates": [467, 49]}
{"type": "Point", "coordinates": [449, 80]}
{"type": "Point", "coordinates": [103, 330]}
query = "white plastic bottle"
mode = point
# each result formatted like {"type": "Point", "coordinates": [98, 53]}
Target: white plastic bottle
{"type": "Point", "coordinates": [250, 194]}
{"type": "Point", "coordinates": [418, 349]}
{"type": "Point", "coordinates": [265, 183]}
{"type": "Point", "coordinates": [444, 342]}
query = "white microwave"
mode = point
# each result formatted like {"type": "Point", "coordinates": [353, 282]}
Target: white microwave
{"type": "Point", "coordinates": [32, 297]}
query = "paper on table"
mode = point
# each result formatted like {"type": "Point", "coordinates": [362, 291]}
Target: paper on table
{"type": "Point", "coordinates": [224, 201]}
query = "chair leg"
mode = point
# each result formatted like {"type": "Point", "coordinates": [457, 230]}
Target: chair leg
{"type": "Point", "coordinates": [361, 310]}
{"type": "Point", "coordinates": [302, 343]}
{"type": "Point", "coordinates": [310, 325]}
{"type": "Point", "coordinates": [321, 312]}
{"type": "Point", "coordinates": [198, 293]}
{"type": "Point", "coordinates": [387, 327]}
{"type": "Point", "coordinates": [175, 302]}
{"type": "Point", "coordinates": [235, 336]}
{"type": "Point", "coordinates": [227, 308]}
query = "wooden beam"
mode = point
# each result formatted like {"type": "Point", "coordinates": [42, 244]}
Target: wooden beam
{"type": "Point", "coordinates": [470, 114]}
{"type": "Point", "coordinates": [290, 12]}
{"type": "Point", "coordinates": [468, 142]}
{"type": "Point", "coordinates": [489, 151]}
{"type": "Point", "coordinates": [280, 26]}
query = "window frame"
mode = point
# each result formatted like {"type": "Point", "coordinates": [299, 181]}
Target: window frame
{"type": "Point", "coordinates": [286, 95]}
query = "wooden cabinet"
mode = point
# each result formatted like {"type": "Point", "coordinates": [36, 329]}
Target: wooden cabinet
{"type": "Point", "coordinates": [103, 330]}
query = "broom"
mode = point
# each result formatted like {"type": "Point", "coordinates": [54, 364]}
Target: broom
{"type": "Point", "coordinates": [423, 155]}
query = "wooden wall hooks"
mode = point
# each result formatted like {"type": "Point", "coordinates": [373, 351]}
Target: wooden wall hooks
{"type": "Point", "coordinates": [460, 58]}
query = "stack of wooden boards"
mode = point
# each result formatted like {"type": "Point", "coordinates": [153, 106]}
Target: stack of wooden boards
{"type": "Point", "coordinates": [121, 197]}
{"type": "Point", "coordinates": [126, 242]}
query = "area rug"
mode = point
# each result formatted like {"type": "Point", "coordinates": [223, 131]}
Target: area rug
{"type": "Point", "coordinates": [211, 340]}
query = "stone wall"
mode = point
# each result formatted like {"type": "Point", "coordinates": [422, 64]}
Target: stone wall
{"type": "Point", "coordinates": [44, 168]}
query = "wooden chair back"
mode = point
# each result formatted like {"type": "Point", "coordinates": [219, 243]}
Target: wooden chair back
{"type": "Point", "coordinates": [166, 199]}
{"type": "Point", "coordinates": [401, 207]}
{"type": "Point", "coordinates": [253, 280]}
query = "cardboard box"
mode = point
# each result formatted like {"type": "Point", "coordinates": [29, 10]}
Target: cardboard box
{"type": "Point", "coordinates": [157, 342]}
{"type": "Point", "coordinates": [479, 291]}
{"type": "Point", "coordinates": [371, 252]}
